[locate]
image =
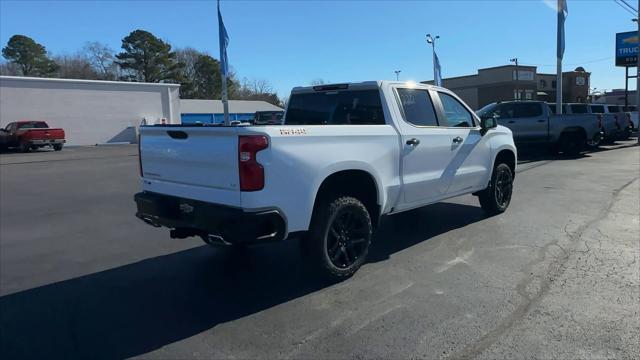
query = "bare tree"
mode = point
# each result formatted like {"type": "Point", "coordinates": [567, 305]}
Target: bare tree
{"type": "Point", "coordinates": [318, 81]}
{"type": "Point", "coordinates": [102, 59]}
{"type": "Point", "coordinates": [75, 67]}
{"type": "Point", "coordinates": [10, 69]}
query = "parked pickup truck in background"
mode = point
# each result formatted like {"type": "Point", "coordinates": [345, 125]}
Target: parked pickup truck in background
{"type": "Point", "coordinates": [268, 117]}
{"type": "Point", "coordinates": [346, 155]}
{"type": "Point", "coordinates": [532, 122]}
{"type": "Point", "coordinates": [31, 135]}
{"type": "Point", "coordinates": [624, 125]}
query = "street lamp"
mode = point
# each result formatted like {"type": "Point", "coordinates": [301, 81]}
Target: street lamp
{"type": "Point", "coordinates": [515, 60]}
{"type": "Point", "coordinates": [398, 74]}
{"type": "Point", "coordinates": [432, 40]}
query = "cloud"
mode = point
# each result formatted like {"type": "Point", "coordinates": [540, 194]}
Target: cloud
{"type": "Point", "coordinates": [551, 4]}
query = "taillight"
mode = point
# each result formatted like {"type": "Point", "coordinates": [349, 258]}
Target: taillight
{"type": "Point", "coordinates": [250, 171]}
{"type": "Point", "coordinates": [139, 156]}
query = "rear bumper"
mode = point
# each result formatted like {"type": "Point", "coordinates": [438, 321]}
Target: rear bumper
{"type": "Point", "coordinates": [194, 217]}
{"type": "Point", "coordinates": [46, 141]}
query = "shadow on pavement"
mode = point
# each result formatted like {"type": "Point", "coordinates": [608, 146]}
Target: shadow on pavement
{"type": "Point", "coordinates": [137, 308]}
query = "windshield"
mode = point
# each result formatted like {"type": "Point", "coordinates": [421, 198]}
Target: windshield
{"type": "Point", "coordinates": [33, 125]}
{"type": "Point", "coordinates": [579, 109]}
{"type": "Point", "coordinates": [349, 107]}
{"type": "Point", "coordinates": [487, 111]}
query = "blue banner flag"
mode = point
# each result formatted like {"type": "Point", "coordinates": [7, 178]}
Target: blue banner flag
{"type": "Point", "coordinates": [223, 39]}
{"type": "Point", "coordinates": [437, 72]}
{"type": "Point", "coordinates": [562, 15]}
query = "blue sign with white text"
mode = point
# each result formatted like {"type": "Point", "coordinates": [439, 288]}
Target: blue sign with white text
{"type": "Point", "coordinates": [627, 48]}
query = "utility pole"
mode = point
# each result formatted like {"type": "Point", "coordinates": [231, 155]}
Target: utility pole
{"type": "Point", "coordinates": [432, 40]}
{"type": "Point", "coordinates": [398, 74]}
{"type": "Point", "coordinates": [515, 60]}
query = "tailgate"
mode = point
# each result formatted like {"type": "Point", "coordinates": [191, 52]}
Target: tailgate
{"type": "Point", "coordinates": [45, 134]}
{"type": "Point", "coordinates": [200, 163]}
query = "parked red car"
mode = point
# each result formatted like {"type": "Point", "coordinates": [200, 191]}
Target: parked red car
{"type": "Point", "coordinates": [31, 135]}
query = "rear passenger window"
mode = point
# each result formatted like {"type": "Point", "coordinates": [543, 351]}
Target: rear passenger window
{"type": "Point", "coordinates": [614, 109]}
{"type": "Point", "coordinates": [525, 110]}
{"type": "Point", "coordinates": [417, 107]}
{"type": "Point", "coordinates": [456, 115]}
{"type": "Point", "coordinates": [597, 109]}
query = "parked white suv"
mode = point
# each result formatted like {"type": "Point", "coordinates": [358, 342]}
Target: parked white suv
{"type": "Point", "coordinates": [347, 155]}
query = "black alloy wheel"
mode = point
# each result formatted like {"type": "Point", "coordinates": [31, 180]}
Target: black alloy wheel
{"type": "Point", "coordinates": [348, 237]}
{"type": "Point", "coordinates": [503, 188]}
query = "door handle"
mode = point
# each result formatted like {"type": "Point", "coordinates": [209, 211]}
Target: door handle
{"type": "Point", "coordinates": [413, 142]}
{"type": "Point", "coordinates": [510, 122]}
{"type": "Point", "coordinates": [542, 120]}
{"type": "Point", "coordinates": [457, 140]}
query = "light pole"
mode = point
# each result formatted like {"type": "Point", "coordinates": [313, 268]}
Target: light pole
{"type": "Point", "coordinates": [515, 60]}
{"type": "Point", "coordinates": [432, 40]}
{"type": "Point", "coordinates": [398, 74]}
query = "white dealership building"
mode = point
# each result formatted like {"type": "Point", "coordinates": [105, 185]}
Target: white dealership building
{"type": "Point", "coordinates": [90, 112]}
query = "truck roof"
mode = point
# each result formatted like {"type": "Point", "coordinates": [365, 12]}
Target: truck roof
{"type": "Point", "coordinates": [374, 84]}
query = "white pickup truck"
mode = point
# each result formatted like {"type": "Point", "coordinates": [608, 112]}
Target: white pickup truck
{"type": "Point", "coordinates": [346, 155]}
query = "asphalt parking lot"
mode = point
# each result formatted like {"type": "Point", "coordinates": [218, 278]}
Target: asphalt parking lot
{"type": "Point", "coordinates": [556, 276]}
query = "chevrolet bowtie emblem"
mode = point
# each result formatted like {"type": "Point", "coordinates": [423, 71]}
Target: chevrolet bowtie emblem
{"type": "Point", "coordinates": [186, 208]}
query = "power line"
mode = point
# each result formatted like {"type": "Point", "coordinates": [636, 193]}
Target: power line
{"type": "Point", "coordinates": [629, 6]}
{"type": "Point", "coordinates": [625, 7]}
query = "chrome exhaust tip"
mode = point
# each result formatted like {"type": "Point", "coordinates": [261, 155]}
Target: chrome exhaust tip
{"type": "Point", "coordinates": [212, 239]}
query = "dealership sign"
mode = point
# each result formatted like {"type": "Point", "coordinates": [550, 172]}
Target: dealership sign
{"type": "Point", "coordinates": [627, 48]}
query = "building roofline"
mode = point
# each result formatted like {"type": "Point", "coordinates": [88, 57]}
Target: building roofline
{"type": "Point", "coordinates": [83, 81]}
{"type": "Point", "coordinates": [565, 72]}
{"type": "Point", "coordinates": [505, 66]}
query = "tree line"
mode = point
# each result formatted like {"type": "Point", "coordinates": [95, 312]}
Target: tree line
{"type": "Point", "coordinates": [143, 58]}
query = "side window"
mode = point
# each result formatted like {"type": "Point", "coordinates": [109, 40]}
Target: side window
{"type": "Point", "coordinates": [456, 115]}
{"type": "Point", "coordinates": [526, 110]}
{"type": "Point", "coordinates": [417, 107]}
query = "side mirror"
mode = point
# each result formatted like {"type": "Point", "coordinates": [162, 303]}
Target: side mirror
{"type": "Point", "coordinates": [487, 123]}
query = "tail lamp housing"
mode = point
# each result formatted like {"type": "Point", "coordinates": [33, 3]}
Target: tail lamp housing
{"type": "Point", "coordinates": [251, 172]}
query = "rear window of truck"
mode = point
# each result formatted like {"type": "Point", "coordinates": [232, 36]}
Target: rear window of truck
{"type": "Point", "coordinates": [349, 107]}
{"type": "Point", "coordinates": [33, 125]}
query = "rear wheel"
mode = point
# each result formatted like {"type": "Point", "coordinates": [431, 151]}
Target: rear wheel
{"type": "Point", "coordinates": [571, 143]}
{"type": "Point", "coordinates": [23, 147]}
{"type": "Point", "coordinates": [57, 147]}
{"type": "Point", "coordinates": [339, 238]}
{"type": "Point", "coordinates": [495, 199]}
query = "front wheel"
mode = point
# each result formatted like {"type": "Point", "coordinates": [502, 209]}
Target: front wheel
{"type": "Point", "coordinates": [339, 237]}
{"type": "Point", "coordinates": [57, 147]}
{"type": "Point", "coordinates": [496, 197]}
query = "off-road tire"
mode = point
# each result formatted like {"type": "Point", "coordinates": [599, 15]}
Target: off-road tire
{"type": "Point", "coordinates": [339, 237]}
{"type": "Point", "coordinates": [490, 201]}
